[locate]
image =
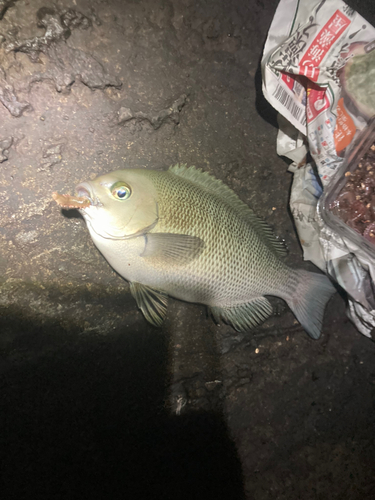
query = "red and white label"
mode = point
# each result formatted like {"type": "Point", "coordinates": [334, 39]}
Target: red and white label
{"type": "Point", "coordinates": [288, 80]}
{"type": "Point", "coordinates": [327, 36]}
{"type": "Point", "coordinates": [317, 102]}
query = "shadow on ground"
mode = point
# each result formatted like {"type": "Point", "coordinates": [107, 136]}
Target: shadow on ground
{"type": "Point", "coordinates": [89, 420]}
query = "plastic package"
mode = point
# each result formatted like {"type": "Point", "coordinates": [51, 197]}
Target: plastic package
{"type": "Point", "coordinates": [330, 200]}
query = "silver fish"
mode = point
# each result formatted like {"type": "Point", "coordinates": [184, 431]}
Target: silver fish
{"type": "Point", "coordinates": [183, 233]}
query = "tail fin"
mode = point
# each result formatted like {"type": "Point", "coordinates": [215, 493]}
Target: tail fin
{"type": "Point", "coordinates": [307, 296]}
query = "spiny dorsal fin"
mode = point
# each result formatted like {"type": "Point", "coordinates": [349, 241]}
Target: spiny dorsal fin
{"type": "Point", "coordinates": [218, 188]}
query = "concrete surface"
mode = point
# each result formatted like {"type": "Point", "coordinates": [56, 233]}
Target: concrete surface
{"type": "Point", "coordinates": [96, 403]}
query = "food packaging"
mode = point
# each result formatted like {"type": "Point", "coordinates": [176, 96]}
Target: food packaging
{"type": "Point", "coordinates": [330, 200]}
{"type": "Point", "coordinates": [318, 70]}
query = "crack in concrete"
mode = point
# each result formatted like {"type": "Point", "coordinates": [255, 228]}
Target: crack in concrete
{"type": "Point", "coordinates": [172, 113]}
{"type": "Point", "coordinates": [67, 64]}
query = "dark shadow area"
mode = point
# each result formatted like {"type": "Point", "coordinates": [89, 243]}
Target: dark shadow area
{"type": "Point", "coordinates": [89, 420]}
{"type": "Point", "coordinates": [71, 213]}
{"type": "Point", "coordinates": [325, 435]}
{"type": "Point", "coordinates": [263, 107]}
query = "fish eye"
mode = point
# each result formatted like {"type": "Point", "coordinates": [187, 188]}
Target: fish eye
{"type": "Point", "coordinates": [121, 191]}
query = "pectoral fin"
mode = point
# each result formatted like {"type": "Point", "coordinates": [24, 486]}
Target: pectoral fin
{"type": "Point", "coordinates": [168, 248]}
{"type": "Point", "coordinates": [151, 302]}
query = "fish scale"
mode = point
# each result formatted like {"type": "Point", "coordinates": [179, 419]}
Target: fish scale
{"type": "Point", "coordinates": [239, 253]}
{"type": "Point", "coordinates": [185, 234]}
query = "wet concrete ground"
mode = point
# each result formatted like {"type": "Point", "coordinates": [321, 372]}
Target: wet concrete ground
{"type": "Point", "coordinates": [96, 403]}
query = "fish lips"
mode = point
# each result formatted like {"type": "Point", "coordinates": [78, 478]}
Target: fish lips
{"type": "Point", "coordinates": [83, 190]}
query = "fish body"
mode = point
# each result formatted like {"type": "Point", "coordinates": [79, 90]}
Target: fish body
{"type": "Point", "coordinates": [183, 233]}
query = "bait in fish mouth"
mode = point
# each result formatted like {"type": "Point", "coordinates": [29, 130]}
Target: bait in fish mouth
{"type": "Point", "coordinates": [185, 234]}
{"type": "Point", "coordinates": [69, 201]}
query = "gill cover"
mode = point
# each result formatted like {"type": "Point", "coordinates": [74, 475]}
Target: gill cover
{"type": "Point", "coordinates": [123, 204]}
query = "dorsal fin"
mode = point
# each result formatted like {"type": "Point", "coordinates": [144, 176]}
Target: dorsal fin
{"type": "Point", "coordinates": [218, 188]}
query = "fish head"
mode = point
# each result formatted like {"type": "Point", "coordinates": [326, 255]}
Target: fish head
{"type": "Point", "coordinates": [123, 204]}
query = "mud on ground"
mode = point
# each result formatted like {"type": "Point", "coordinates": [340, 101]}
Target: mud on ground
{"type": "Point", "coordinates": [96, 403]}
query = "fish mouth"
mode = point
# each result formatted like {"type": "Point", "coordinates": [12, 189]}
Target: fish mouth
{"type": "Point", "coordinates": [83, 190]}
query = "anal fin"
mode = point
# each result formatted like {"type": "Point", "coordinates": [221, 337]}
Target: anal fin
{"type": "Point", "coordinates": [153, 303]}
{"type": "Point", "coordinates": [244, 316]}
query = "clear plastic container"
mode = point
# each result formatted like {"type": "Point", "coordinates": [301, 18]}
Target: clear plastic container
{"type": "Point", "coordinates": [328, 202]}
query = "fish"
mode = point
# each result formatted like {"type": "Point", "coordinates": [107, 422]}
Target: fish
{"type": "Point", "coordinates": [183, 233]}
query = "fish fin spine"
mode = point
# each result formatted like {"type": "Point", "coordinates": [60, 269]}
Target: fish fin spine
{"type": "Point", "coordinates": [243, 316]}
{"type": "Point", "coordinates": [153, 303]}
{"type": "Point", "coordinates": [218, 188]}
